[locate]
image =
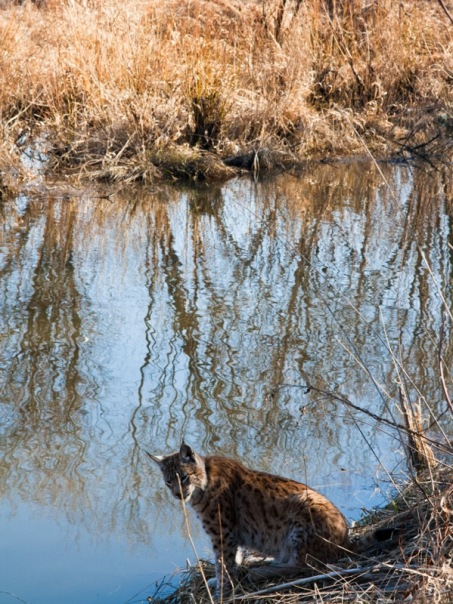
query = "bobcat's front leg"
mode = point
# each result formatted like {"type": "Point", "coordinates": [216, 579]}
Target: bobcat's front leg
{"type": "Point", "coordinates": [225, 569]}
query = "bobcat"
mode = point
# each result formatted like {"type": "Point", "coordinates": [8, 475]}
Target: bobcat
{"type": "Point", "coordinates": [243, 508]}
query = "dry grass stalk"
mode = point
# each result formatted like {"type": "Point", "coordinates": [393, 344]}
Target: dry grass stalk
{"type": "Point", "coordinates": [420, 453]}
{"type": "Point", "coordinates": [115, 86]}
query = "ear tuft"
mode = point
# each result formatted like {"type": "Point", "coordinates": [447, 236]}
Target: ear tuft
{"type": "Point", "coordinates": [156, 458]}
{"type": "Point", "coordinates": [186, 454]}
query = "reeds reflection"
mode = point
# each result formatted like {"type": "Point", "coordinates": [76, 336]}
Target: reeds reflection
{"type": "Point", "coordinates": [136, 322]}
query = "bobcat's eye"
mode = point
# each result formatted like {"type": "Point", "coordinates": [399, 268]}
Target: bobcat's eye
{"type": "Point", "coordinates": [168, 483]}
{"type": "Point", "coordinates": [184, 478]}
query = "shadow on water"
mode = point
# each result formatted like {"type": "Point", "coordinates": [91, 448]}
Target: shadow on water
{"type": "Point", "coordinates": [136, 322]}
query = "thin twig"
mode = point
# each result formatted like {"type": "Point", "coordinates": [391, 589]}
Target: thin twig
{"type": "Point", "coordinates": [442, 297]}
{"type": "Point", "coordinates": [186, 520]}
{"type": "Point", "coordinates": [446, 11]}
{"type": "Point", "coordinates": [441, 369]}
{"type": "Point", "coordinates": [9, 594]}
{"type": "Point", "coordinates": [376, 417]}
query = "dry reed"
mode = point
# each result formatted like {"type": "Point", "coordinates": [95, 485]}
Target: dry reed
{"type": "Point", "coordinates": [136, 90]}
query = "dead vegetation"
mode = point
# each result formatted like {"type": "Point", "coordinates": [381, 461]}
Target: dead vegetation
{"type": "Point", "coordinates": [140, 90]}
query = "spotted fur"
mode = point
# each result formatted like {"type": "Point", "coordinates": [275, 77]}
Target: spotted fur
{"type": "Point", "coordinates": [243, 508]}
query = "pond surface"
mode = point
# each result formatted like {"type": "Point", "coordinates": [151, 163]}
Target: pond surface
{"type": "Point", "coordinates": [134, 321]}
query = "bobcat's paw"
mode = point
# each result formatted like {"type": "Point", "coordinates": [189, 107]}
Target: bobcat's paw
{"type": "Point", "coordinates": [218, 594]}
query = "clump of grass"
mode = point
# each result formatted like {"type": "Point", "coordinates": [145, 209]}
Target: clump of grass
{"type": "Point", "coordinates": [12, 171]}
{"type": "Point", "coordinates": [115, 85]}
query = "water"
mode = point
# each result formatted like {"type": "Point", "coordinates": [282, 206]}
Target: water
{"type": "Point", "coordinates": [134, 321]}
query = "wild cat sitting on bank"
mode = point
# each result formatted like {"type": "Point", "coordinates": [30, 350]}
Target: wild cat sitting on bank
{"type": "Point", "coordinates": [243, 508]}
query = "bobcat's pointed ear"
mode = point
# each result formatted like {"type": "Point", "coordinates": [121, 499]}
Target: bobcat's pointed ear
{"type": "Point", "coordinates": [156, 458]}
{"type": "Point", "coordinates": [186, 454]}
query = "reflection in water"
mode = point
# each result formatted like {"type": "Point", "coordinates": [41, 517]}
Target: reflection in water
{"type": "Point", "coordinates": [41, 355]}
{"type": "Point", "coordinates": [137, 322]}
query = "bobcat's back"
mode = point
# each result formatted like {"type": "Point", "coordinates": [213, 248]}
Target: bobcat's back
{"type": "Point", "coordinates": [239, 507]}
{"type": "Point", "coordinates": [277, 516]}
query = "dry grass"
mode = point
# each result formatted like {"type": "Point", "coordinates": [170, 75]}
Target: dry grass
{"type": "Point", "coordinates": [140, 89]}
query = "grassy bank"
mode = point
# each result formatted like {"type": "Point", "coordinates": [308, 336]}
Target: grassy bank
{"type": "Point", "coordinates": [202, 88]}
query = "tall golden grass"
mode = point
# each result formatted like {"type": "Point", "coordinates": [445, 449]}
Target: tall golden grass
{"type": "Point", "coordinates": [136, 89]}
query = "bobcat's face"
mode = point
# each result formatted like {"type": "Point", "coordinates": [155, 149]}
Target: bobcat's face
{"type": "Point", "coordinates": [183, 472]}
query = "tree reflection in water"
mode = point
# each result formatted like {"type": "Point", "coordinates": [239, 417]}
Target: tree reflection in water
{"type": "Point", "coordinates": [136, 322]}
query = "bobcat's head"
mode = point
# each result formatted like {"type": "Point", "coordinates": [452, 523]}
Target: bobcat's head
{"type": "Point", "coordinates": [184, 472]}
